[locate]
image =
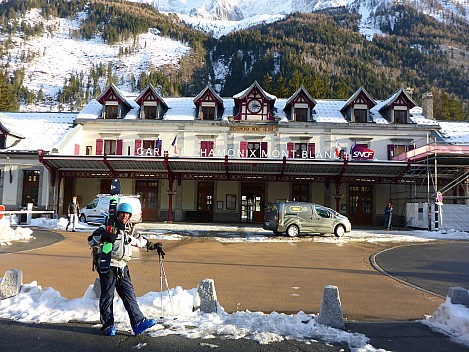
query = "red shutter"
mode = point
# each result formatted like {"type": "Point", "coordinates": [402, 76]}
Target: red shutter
{"type": "Point", "coordinates": [311, 151]}
{"type": "Point", "coordinates": [210, 145]}
{"type": "Point", "coordinates": [203, 149]}
{"type": "Point", "coordinates": [137, 144]}
{"type": "Point", "coordinates": [99, 146]}
{"type": "Point", "coordinates": [291, 149]}
{"type": "Point", "coordinates": [264, 150]}
{"type": "Point", "coordinates": [390, 151]}
{"type": "Point", "coordinates": [243, 149]}
{"type": "Point", "coordinates": [119, 147]}
{"type": "Point", "coordinates": [77, 149]}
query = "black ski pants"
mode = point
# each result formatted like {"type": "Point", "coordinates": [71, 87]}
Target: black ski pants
{"type": "Point", "coordinates": [117, 279]}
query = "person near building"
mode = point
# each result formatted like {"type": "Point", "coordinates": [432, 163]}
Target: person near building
{"type": "Point", "coordinates": [117, 277]}
{"type": "Point", "coordinates": [73, 213]}
{"type": "Point", "coordinates": [388, 216]}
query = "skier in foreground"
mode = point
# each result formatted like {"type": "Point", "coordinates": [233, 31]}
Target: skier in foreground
{"type": "Point", "coordinates": [116, 276]}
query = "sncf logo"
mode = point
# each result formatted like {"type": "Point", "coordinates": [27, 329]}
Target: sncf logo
{"type": "Point", "coordinates": [362, 153]}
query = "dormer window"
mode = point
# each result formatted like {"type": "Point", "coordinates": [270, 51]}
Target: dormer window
{"type": "Point", "coordinates": [254, 104]}
{"type": "Point", "coordinates": [400, 116]}
{"type": "Point", "coordinates": [152, 105]}
{"type": "Point", "coordinates": [207, 112]}
{"type": "Point", "coordinates": [208, 105]}
{"type": "Point", "coordinates": [150, 111]}
{"type": "Point", "coordinates": [300, 114]}
{"type": "Point", "coordinates": [111, 110]}
{"type": "Point", "coordinates": [360, 115]}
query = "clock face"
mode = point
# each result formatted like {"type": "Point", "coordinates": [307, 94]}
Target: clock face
{"type": "Point", "coordinates": [254, 106]}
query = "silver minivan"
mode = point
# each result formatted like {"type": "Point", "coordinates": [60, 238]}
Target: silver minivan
{"type": "Point", "coordinates": [97, 210]}
{"type": "Point", "coordinates": [294, 218]}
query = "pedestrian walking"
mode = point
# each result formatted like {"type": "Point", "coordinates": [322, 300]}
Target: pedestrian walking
{"type": "Point", "coordinates": [73, 213]}
{"type": "Point", "coordinates": [116, 276]}
{"type": "Point", "coordinates": [388, 216]}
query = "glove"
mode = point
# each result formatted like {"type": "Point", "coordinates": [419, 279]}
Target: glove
{"type": "Point", "coordinates": [151, 246]}
{"type": "Point", "coordinates": [108, 237]}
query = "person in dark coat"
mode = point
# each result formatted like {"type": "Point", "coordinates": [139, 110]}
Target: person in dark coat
{"type": "Point", "coordinates": [73, 213]}
{"type": "Point", "coordinates": [388, 216]}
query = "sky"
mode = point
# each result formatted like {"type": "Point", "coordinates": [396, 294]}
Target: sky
{"type": "Point", "coordinates": [36, 304]}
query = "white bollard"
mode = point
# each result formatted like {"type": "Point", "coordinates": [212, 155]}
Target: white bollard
{"type": "Point", "coordinates": [330, 313]}
{"type": "Point", "coordinates": [29, 215]}
{"type": "Point", "coordinates": [208, 296]}
{"type": "Point", "coordinates": [11, 283]}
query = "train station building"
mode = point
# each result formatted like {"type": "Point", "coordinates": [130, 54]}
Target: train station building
{"type": "Point", "coordinates": [213, 159]}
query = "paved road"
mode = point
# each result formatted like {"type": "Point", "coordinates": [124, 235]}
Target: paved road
{"type": "Point", "coordinates": [432, 266]}
{"type": "Point", "coordinates": [366, 293]}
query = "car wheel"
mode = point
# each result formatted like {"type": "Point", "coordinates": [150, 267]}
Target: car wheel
{"type": "Point", "coordinates": [293, 231]}
{"type": "Point", "coordinates": [82, 218]}
{"type": "Point", "coordinates": [339, 231]}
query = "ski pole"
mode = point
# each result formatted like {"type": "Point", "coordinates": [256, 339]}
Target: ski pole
{"type": "Point", "coordinates": [161, 289]}
{"type": "Point", "coordinates": [167, 286]}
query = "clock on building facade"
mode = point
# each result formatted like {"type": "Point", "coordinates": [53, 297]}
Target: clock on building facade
{"type": "Point", "coordinates": [254, 106]}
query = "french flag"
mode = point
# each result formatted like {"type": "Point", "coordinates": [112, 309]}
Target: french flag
{"type": "Point", "coordinates": [174, 145]}
{"type": "Point", "coordinates": [337, 149]}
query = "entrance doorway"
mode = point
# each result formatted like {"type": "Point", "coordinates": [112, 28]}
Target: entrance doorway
{"type": "Point", "coordinates": [30, 187]}
{"type": "Point", "coordinates": [252, 202]}
{"type": "Point", "coordinates": [105, 186]}
{"type": "Point", "coordinates": [300, 192]}
{"type": "Point", "coordinates": [148, 191]}
{"type": "Point", "coordinates": [205, 191]}
{"type": "Point", "coordinates": [360, 205]}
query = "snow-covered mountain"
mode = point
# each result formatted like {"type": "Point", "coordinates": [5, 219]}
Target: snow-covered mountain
{"type": "Point", "coordinates": [238, 10]}
{"type": "Point", "coordinates": [220, 17]}
{"type": "Point", "coordinates": [56, 49]}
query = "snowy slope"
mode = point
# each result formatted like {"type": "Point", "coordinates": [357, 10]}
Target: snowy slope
{"type": "Point", "coordinates": [58, 56]}
{"type": "Point", "coordinates": [55, 56]}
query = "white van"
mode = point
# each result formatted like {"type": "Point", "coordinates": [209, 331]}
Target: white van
{"type": "Point", "coordinates": [97, 210]}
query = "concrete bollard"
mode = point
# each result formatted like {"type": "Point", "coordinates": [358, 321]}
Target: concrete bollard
{"type": "Point", "coordinates": [208, 296]}
{"type": "Point", "coordinates": [459, 295]}
{"type": "Point", "coordinates": [330, 313]}
{"type": "Point", "coordinates": [11, 283]}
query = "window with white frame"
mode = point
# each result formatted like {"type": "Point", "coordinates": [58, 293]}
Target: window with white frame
{"type": "Point", "coordinates": [111, 110]}
{"type": "Point", "coordinates": [301, 114]}
{"type": "Point", "coordinates": [110, 147]}
{"type": "Point", "coordinates": [360, 115]}
{"type": "Point", "coordinates": [150, 112]}
{"type": "Point", "coordinates": [208, 113]}
{"type": "Point", "coordinates": [400, 116]}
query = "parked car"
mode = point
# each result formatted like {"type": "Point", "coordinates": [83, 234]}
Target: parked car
{"type": "Point", "coordinates": [97, 210]}
{"type": "Point", "coordinates": [293, 218]}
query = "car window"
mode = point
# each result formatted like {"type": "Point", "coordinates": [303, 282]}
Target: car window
{"type": "Point", "coordinates": [322, 212]}
{"type": "Point", "coordinates": [92, 205]}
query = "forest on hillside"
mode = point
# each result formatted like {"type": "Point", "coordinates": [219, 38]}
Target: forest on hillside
{"type": "Point", "coordinates": [321, 51]}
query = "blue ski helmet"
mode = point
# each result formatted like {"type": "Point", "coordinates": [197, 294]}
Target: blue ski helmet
{"type": "Point", "coordinates": [124, 208]}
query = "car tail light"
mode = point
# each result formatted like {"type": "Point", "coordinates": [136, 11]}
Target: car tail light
{"type": "Point", "coordinates": [276, 218]}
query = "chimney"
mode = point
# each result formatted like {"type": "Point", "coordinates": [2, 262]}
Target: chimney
{"type": "Point", "coordinates": [409, 91]}
{"type": "Point", "coordinates": [427, 105]}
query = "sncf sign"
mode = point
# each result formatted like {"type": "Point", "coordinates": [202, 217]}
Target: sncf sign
{"type": "Point", "coordinates": [362, 153]}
